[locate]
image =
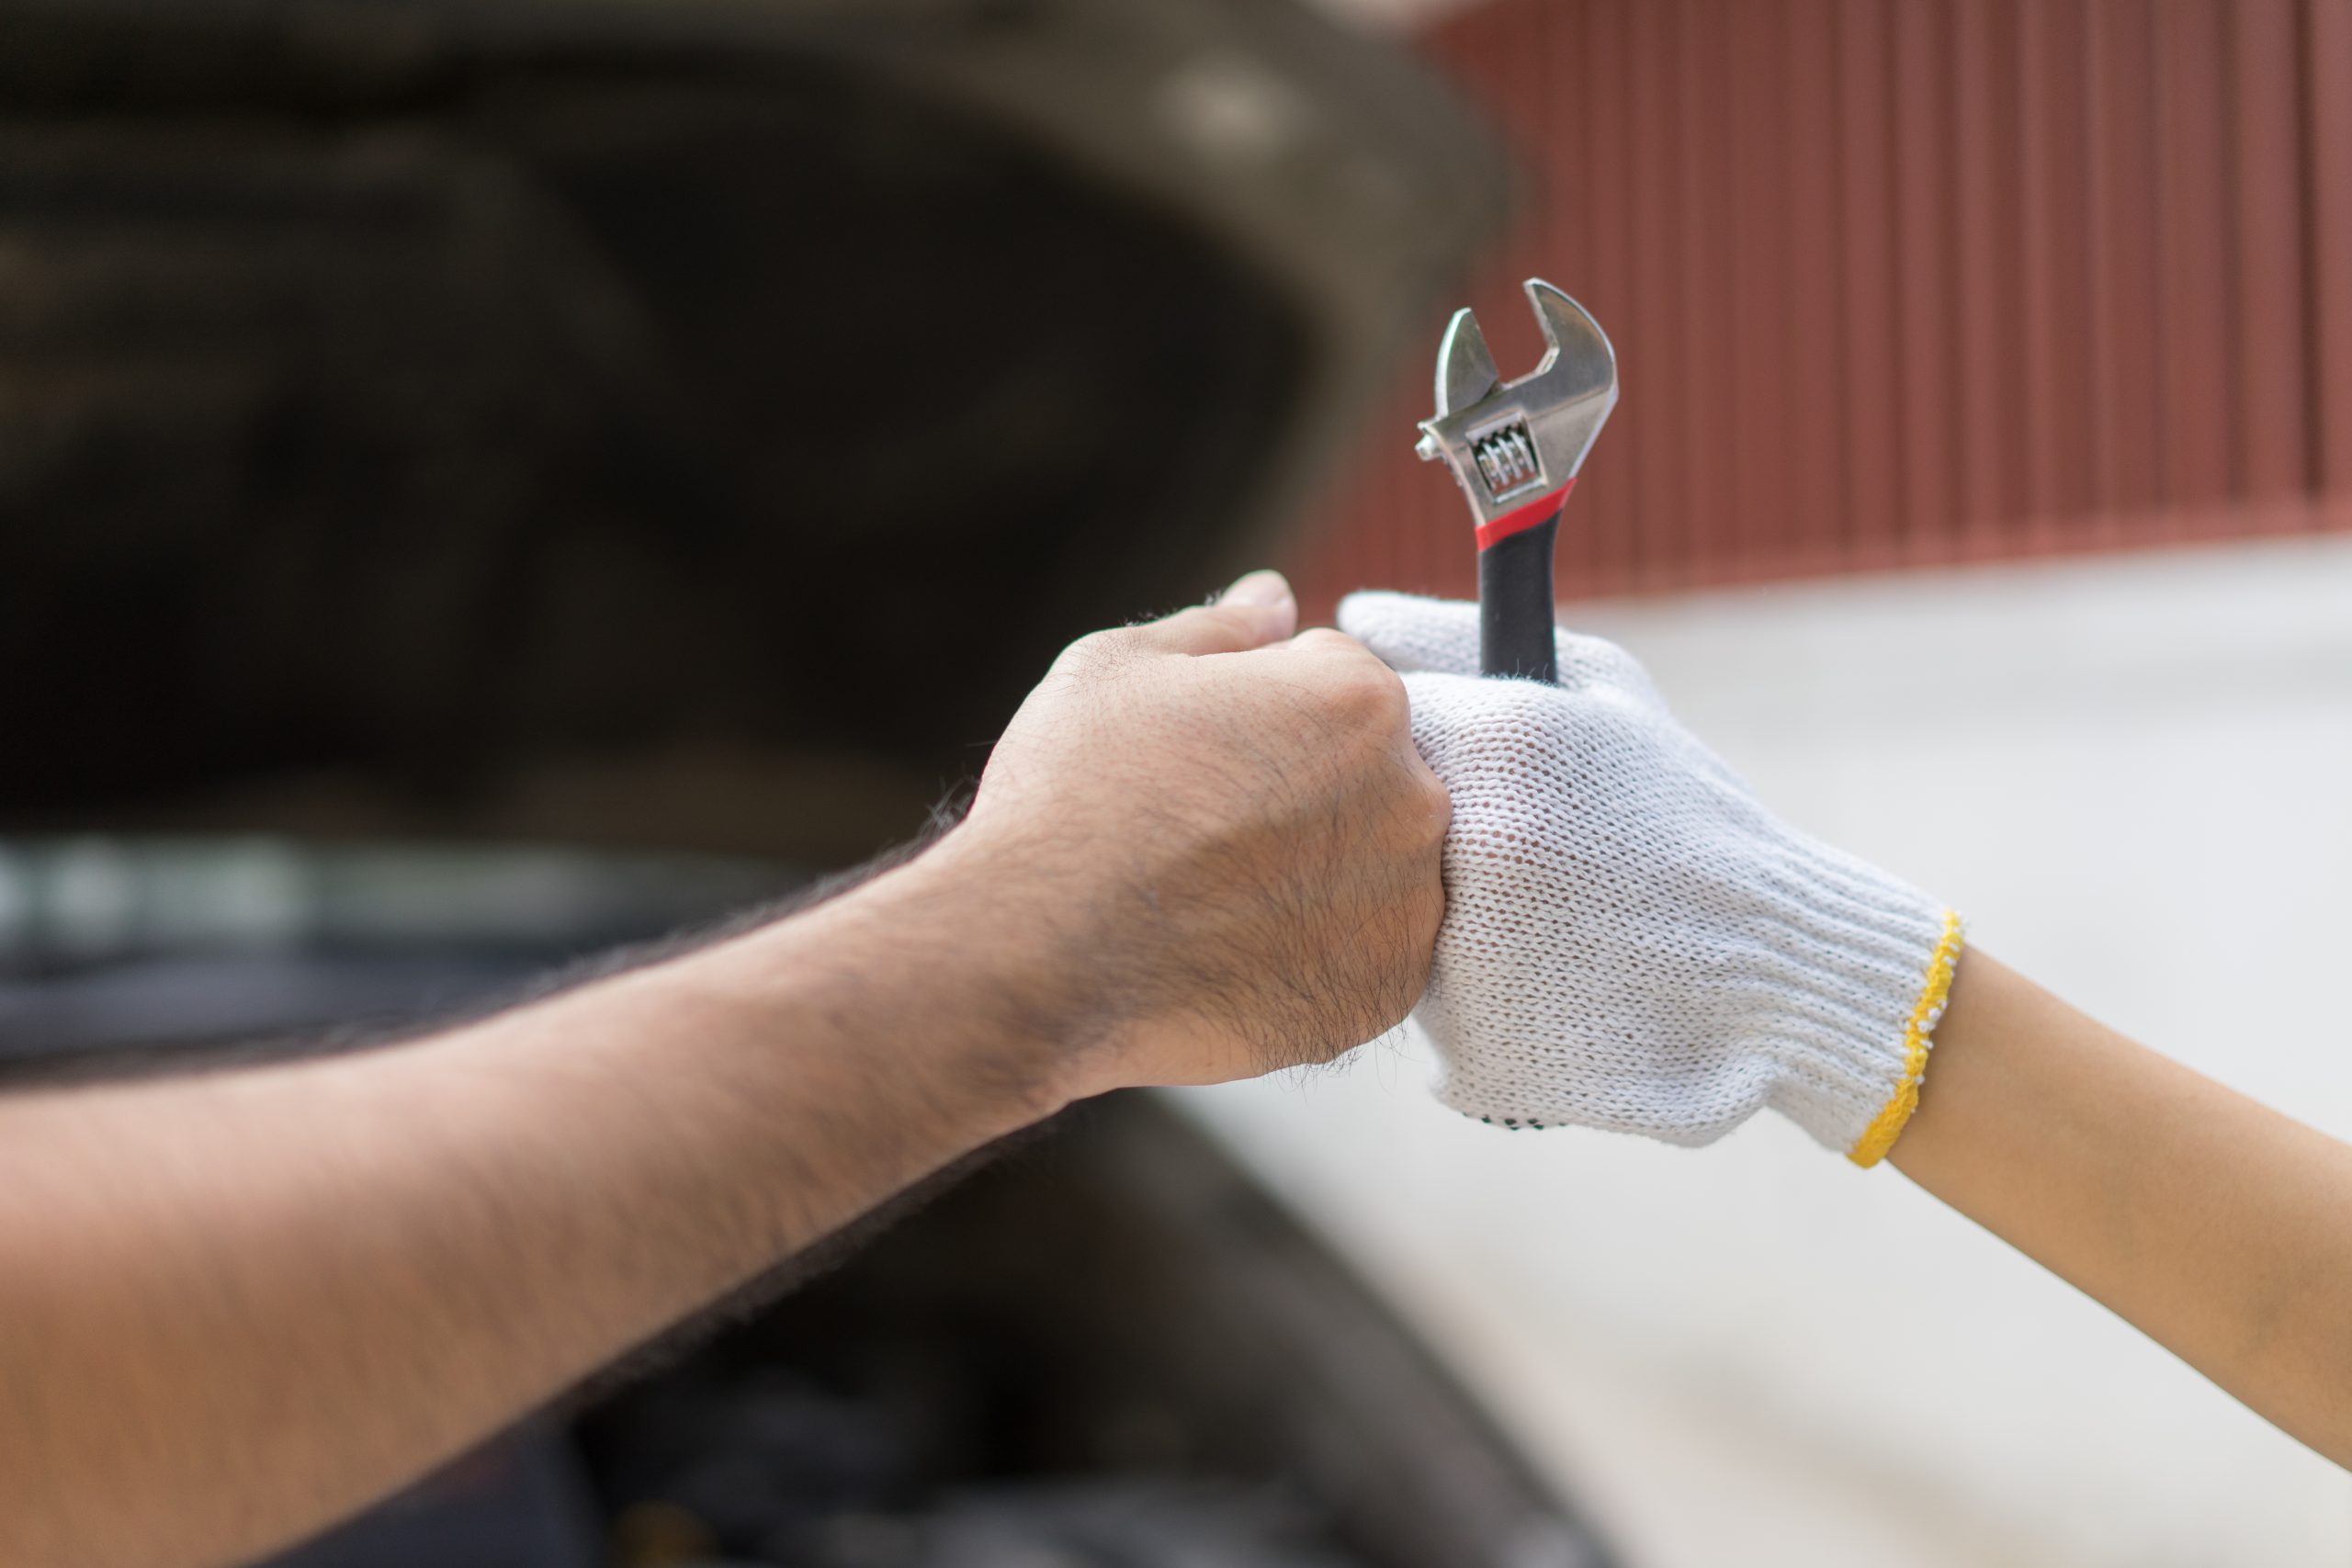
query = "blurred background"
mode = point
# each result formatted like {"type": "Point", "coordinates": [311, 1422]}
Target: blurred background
{"type": "Point", "coordinates": [480, 483]}
{"type": "Point", "coordinates": [1979, 490]}
{"type": "Point", "coordinates": [1911, 284]}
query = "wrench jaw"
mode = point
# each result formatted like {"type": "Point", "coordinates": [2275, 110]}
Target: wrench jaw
{"type": "Point", "coordinates": [1513, 444]}
{"type": "Point", "coordinates": [1465, 366]}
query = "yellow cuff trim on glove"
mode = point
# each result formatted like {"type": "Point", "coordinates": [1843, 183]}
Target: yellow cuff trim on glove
{"type": "Point", "coordinates": [1918, 1036]}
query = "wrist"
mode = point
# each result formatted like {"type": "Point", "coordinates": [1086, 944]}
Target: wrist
{"type": "Point", "coordinates": [1853, 1011]}
{"type": "Point", "coordinates": [1024, 952]}
{"type": "Point", "coordinates": [953, 967]}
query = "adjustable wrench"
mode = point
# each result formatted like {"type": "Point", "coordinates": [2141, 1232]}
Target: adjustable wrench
{"type": "Point", "coordinates": [1515, 448]}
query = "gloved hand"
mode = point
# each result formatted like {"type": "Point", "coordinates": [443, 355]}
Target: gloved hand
{"type": "Point", "coordinates": [1631, 939]}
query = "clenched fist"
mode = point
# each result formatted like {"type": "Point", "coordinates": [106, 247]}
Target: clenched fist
{"type": "Point", "coordinates": [1226, 838]}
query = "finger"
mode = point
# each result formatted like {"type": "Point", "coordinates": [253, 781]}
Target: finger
{"type": "Point", "coordinates": [1326, 639]}
{"type": "Point", "coordinates": [1440, 637]}
{"type": "Point", "coordinates": [1411, 632]}
{"type": "Point", "coordinates": [1258, 610]}
{"type": "Point", "coordinates": [1586, 661]}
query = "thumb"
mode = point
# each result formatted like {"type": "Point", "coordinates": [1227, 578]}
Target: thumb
{"type": "Point", "coordinates": [1258, 610]}
{"type": "Point", "coordinates": [1412, 633]}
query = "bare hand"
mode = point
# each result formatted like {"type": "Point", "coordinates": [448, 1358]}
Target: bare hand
{"type": "Point", "coordinates": [1229, 838]}
{"type": "Point", "coordinates": [238, 1304]}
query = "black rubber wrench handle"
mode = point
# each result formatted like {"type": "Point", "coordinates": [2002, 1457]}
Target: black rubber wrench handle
{"type": "Point", "coordinates": [1515, 604]}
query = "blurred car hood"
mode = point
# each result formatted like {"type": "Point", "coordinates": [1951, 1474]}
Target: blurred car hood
{"type": "Point", "coordinates": [688, 424]}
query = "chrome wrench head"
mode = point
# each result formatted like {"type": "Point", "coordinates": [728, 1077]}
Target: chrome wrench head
{"type": "Point", "coordinates": [1512, 445]}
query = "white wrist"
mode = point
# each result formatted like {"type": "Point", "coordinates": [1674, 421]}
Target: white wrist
{"type": "Point", "coordinates": [1852, 1012]}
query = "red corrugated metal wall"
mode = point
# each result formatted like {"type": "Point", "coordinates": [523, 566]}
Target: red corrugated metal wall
{"type": "Point", "coordinates": [1900, 282]}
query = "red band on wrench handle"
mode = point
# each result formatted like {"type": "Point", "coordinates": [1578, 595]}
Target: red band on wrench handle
{"type": "Point", "coordinates": [1518, 519]}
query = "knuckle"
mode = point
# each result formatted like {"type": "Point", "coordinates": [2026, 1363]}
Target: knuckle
{"type": "Point", "coordinates": [1596, 659]}
{"type": "Point", "coordinates": [1099, 652]}
{"type": "Point", "coordinates": [1370, 694]}
{"type": "Point", "coordinates": [1436, 803]}
{"type": "Point", "coordinates": [1517, 713]}
{"type": "Point", "coordinates": [1205, 625]}
{"type": "Point", "coordinates": [1505, 722]}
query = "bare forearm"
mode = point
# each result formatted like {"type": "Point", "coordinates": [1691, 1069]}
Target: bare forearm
{"type": "Point", "coordinates": [231, 1309]}
{"type": "Point", "coordinates": [2215, 1225]}
{"type": "Point", "coordinates": [237, 1307]}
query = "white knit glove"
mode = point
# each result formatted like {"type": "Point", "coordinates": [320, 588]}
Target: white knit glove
{"type": "Point", "coordinates": [1631, 939]}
